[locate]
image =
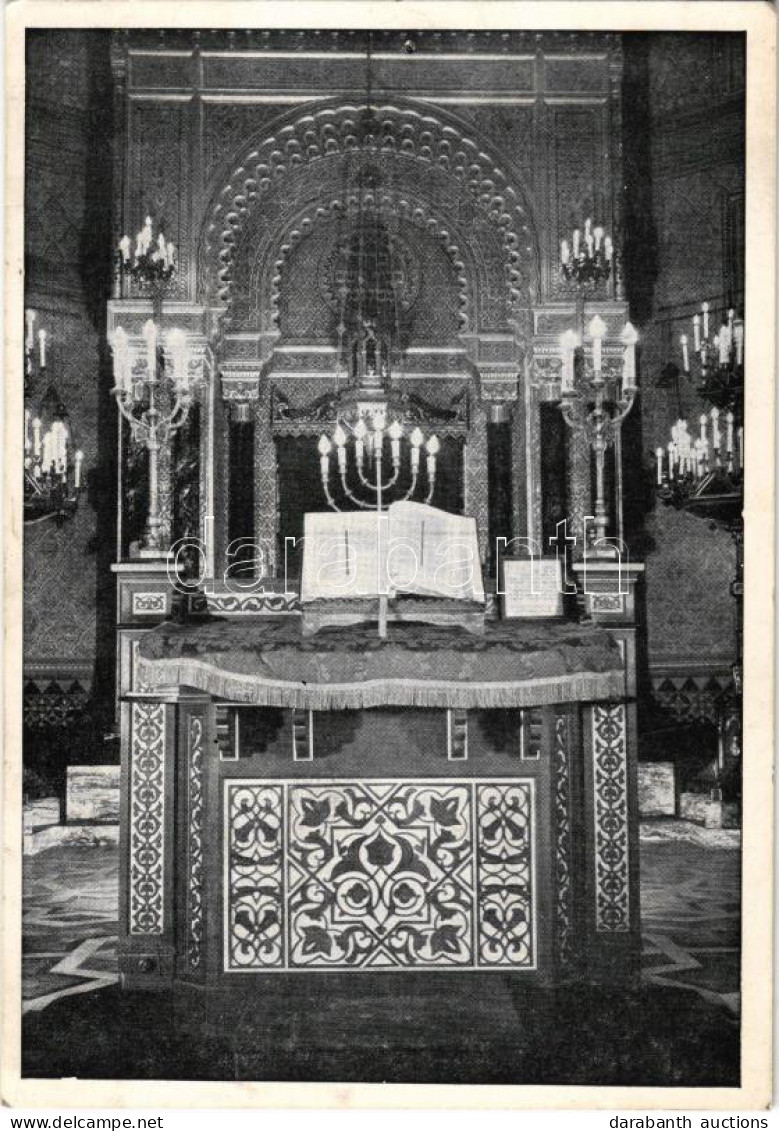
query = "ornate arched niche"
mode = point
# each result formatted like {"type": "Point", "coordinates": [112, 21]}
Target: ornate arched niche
{"type": "Point", "coordinates": [462, 240]}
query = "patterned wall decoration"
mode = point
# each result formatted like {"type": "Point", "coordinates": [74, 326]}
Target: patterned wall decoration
{"type": "Point", "coordinates": [612, 875]}
{"type": "Point", "coordinates": [159, 177]}
{"type": "Point", "coordinates": [195, 847]}
{"type": "Point", "coordinates": [562, 810]}
{"type": "Point", "coordinates": [379, 874]}
{"type": "Point", "coordinates": [403, 133]}
{"type": "Point", "coordinates": [147, 817]}
{"type": "Point", "coordinates": [447, 293]}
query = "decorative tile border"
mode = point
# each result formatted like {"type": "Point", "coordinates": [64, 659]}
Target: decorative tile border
{"type": "Point", "coordinates": [195, 846]}
{"type": "Point", "coordinates": [612, 875]}
{"type": "Point", "coordinates": [147, 818]}
{"type": "Point", "coordinates": [562, 809]}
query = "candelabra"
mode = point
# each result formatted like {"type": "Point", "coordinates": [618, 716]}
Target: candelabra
{"type": "Point", "coordinates": [705, 475]}
{"type": "Point", "coordinates": [595, 405]}
{"type": "Point", "coordinates": [719, 360]}
{"type": "Point", "coordinates": [588, 259]}
{"type": "Point", "coordinates": [150, 262]}
{"type": "Point", "coordinates": [366, 448]}
{"type": "Point", "coordinates": [156, 403]}
{"type": "Point", "coordinates": [52, 470]}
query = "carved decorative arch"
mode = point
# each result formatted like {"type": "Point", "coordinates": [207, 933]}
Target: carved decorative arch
{"type": "Point", "coordinates": [407, 138]}
{"type": "Point", "coordinates": [414, 212]}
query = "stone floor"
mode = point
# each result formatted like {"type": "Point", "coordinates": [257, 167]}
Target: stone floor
{"type": "Point", "coordinates": [690, 899]}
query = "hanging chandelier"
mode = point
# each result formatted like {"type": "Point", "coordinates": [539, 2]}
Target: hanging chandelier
{"type": "Point", "coordinates": [52, 464]}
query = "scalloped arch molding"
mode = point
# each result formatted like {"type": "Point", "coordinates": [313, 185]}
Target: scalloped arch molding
{"type": "Point", "coordinates": [403, 134]}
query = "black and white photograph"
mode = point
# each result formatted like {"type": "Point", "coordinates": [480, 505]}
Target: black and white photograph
{"type": "Point", "coordinates": [382, 683]}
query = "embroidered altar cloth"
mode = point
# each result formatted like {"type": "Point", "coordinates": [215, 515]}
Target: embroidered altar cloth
{"type": "Point", "coordinates": [268, 663]}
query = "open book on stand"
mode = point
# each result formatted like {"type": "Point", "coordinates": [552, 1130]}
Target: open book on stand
{"type": "Point", "coordinates": [409, 550]}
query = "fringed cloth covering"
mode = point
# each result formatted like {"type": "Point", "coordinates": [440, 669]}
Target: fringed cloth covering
{"type": "Point", "coordinates": [267, 663]}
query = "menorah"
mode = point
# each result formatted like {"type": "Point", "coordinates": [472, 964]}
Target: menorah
{"type": "Point", "coordinates": [597, 412]}
{"type": "Point", "coordinates": [155, 401]}
{"type": "Point", "coordinates": [365, 450]}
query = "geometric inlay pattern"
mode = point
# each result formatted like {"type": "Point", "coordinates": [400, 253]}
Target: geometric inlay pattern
{"type": "Point", "coordinates": [379, 875]}
{"type": "Point", "coordinates": [562, 807]}
{"type": "Point", "coordinates": [147, 818]}
{"type": "Point", "coordinates": [612, 876]}
{"type": "Point", "coordinates": [195, 854]}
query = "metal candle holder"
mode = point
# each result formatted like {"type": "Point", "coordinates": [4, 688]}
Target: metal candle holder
{"type": "Point", "coordinates": [595, 406]}
{"type": "Point", "coordinates": [366, 446]}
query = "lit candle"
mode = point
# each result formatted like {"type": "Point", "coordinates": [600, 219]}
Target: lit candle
{"type": "Point", "coordinates": [705, 309]}
{"type": "Point", "coordinates": [568, 342]}
{"type": "Point", "coordinates": [738, 337]}
{"type": "Point", "coordinates": [360, 432]}
{"type": "Point", "coordinates": [79, 456]}
{"type": "Point", "coordinates": [704, 420]}
{"type": "Point", "coordinates": [36, 437]}
{"type": "Point", "coordinates": [671, 459]}
{"type": "Point", "coordinates": [587, 227]}
{"type": "Point", "coordinates": [124, 248]}
{"type": "Point", "coordinates": [576, 238]}
{"type": "Point", "coordinates": [171, 255]}
{"type": "Point", "coordinates": [729, 433]}
{"type": "Point", "coordinates": [378, 434]}
{"type": "Point", "coordinates": [416, 439]}
{"type": "Point", "coordinates": [395, 433]}
{"type": "Point", "coordinates": [433, 447]}
{"type": "Point", "coordinates": [565, 252]}
{"type": "Point", "coordinates": [590, 243]}
{"type": "Point", "coordinates": [30, 339]}
{"type": "Point", "coordinates": [324, 446]}
{"type": "Point", "coordinates": [42, 345]}
{"type": "Point", "coordinates": [715, 432]}
{"type": "Point", "coordinates": [150, 335]}
{"type": "Point", "coordinates": [629, 338]}
{"type": "Point", "coordinates": [609, 248]}
{"type": "Point", "coordinates": [659, 453]}
{"type": "Point", "coordinates": [724, 344]}
{"type": "Point", "coordinates": [339, 439]}
{"type": "Point", "coordinates": [699, 459]}
{"type": "Point", "coordinates": [598, 238]}
{"type": "Point", "coordinates": [597, 329]}
{"type": "Point", "coordinates": [696, 333]}
{"type": "Point", "coordinates": [685, 354]}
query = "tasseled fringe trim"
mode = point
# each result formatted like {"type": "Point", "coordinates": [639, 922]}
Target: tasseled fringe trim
{"type": "Point", "coordinates": [165, 675]}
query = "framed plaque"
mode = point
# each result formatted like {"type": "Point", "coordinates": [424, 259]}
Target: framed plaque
{"type": "Point", "coordinates": [530, 587]}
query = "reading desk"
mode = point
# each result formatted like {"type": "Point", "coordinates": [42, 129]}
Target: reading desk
{"type": "Point", "coordinates": [435, 800]}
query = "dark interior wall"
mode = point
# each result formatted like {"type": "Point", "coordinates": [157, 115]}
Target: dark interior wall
{"type": "Point", "coordinates": [684, 244]}
{"type": "Point", "coordinates": [68, 596]}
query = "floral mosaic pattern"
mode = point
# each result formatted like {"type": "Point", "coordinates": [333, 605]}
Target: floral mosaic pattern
{"type": "Point", "coordinates": [562, 807]}
{"type": "Point", "coordinates": [612, 878]}
{"type": "Point", "coordinates": [195, 856]}
{"type": "Point", "coordinates": [383, 874]}
{"type": "Point", "coordinates": [147, 818]}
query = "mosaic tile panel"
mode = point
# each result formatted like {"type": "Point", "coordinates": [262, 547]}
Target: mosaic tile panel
{"type": "Point", "coordinates": [147, 818]}
{"type": "Point", "coordinates": [612, 875]}
{"type": "Point", "coordinates": [379, 875]}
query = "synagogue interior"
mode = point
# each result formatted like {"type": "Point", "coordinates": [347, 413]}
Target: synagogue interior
{"type": "Point", "coordinates": [383, 555]}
